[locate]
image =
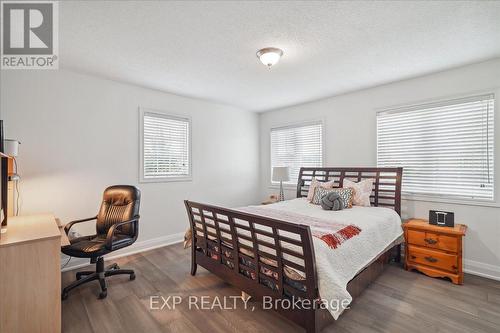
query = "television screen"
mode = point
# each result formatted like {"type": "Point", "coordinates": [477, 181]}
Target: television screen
{"type": "Point", "coordinates": [3, 178]}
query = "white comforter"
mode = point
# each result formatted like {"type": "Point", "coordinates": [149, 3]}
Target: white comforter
{"type": "Point", "coordinates": [336, 267]}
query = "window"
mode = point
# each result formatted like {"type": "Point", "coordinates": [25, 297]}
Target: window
{"type": "Point", "coordinates": [446, 149]}
{"type": "Point", "coordinates": [297, 146]}
{"type": "Point", "coordinates": [165, 147]}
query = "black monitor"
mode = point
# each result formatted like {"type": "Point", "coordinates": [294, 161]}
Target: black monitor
{"type": "Point", "coordinates": [3, 176]}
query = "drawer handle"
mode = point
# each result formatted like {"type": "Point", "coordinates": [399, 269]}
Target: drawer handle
{"type": "Point", "coordinates": [430, 241]}
{"type": "Point", "coordinates": [431, 259]}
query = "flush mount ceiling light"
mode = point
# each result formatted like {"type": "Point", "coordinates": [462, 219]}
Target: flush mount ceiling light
{"type": "Point", "coordinates": [269, 56]}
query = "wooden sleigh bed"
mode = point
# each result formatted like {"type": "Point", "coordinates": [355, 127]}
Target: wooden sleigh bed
{"type": "Point", "coordinates": [238, 247]}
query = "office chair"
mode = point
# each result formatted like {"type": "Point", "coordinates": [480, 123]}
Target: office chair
{"type": "Point", "coordinates": [117, 226]}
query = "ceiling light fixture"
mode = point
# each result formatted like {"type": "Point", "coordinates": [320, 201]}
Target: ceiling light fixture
{"type": "Point", "coordinates": [269, 56]}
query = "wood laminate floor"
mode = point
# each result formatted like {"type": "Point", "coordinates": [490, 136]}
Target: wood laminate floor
{"type": "Point", "coordinates": [398, 301]}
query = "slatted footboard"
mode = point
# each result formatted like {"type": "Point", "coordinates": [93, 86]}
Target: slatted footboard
{"type": "Point", "coordinates": [259, 255]}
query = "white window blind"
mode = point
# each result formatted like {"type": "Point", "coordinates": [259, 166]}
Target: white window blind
{"type": "Point", "coordinates": [165, 147]}
{"type": "Point", "coordinates": [446, 148]}
{"type": "Point", "coordinates": [297, 146]}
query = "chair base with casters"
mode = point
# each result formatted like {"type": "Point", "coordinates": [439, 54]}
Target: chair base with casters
{"type": "Point", "coordinates": [117, 226]}
{"type": "Point", "coordinates": [99, 274]}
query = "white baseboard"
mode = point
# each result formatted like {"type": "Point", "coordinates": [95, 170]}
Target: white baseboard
{"type": "Point", "coordinates": [482, 269]}
{"type": "Point", "coordinates": [470, 266]}
{"type": "Point", "coordinates": [137, 247]}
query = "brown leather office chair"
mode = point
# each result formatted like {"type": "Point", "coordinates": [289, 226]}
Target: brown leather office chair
{"type": "Point", "coordinates": [117, 226]}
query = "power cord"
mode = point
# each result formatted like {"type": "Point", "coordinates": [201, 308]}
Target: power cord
{"type": "Point", "coordinates": [66, 263]}
{"type": "Point", "coordinates": [18, 193]}
{"type": "Point", "coordinates": [18, 209]}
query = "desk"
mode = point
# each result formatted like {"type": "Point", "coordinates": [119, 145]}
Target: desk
{"type": "Point", "coordinates": [64, 237]}
{"type": "Point", "coordinates": [30, 275]}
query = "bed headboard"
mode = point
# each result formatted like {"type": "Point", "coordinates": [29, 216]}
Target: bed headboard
{"type": "Point", "coordinates": [386, 188]}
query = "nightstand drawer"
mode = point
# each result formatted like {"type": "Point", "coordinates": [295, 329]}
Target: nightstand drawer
{"type": "Point", "coordinates": [433, 258]}
{"type": "Point", "coordinates": [432, 240]}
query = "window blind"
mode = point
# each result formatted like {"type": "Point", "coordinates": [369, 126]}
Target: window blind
{"type": "Point", "coordinates": [297, 146]}
{"type": "Point", "coordinates": [446, 148]}
{"type": "Point", "coordinates": [165, 146]}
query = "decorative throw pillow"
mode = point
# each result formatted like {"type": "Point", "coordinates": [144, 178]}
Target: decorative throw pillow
{"type": "Point", "coordinates": [315, 183]}
{"type": "Point", "coordinates": [331, 201]}
{"type": "Point", "coordinates": [319, 193]}
{"type": "Point", "coordinates": [345, 195]}
{"type": "Point", "coordinates": [362, 191]}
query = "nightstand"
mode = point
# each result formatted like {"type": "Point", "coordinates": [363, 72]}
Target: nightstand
{"type": "Point", "coordinates": [270, 200]}
{"type": "Point", "coordinates": [433, 250]}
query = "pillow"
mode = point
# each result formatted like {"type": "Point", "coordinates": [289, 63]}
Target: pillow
{"type": "Point", "coordinates": [319, 193]}
{"type": "Point", "coordinates": [315, 183]}
{"type": "Point", "coordinates": [331, 201]}
{"type": "Point", "coordinates": [362, 191]}
{"type": "Point", "coordinates": [188, 238]}
{"type": "Point", "coordinates": [345, 194]}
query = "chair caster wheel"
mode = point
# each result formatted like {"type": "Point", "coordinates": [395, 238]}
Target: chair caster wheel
{"type": "Point", "coordinates": [132, 277]}
{"type": "Point", "coordinates": [103, 294]}
{"type": "Point", "coordinates": [64, 296]}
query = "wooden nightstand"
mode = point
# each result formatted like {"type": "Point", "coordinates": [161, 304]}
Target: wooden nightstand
{"type": "Point", "coordinates": [270, 200]}
{"type": "Point", "coordinates": [434, 251]}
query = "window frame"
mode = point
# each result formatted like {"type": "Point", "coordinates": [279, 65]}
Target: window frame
{"type": "Point", "coordinates": [317, 121]}
{"type": "Point", "coordinates": [494, 202]}
{"type": "Point", "coordinates": [164, 114]}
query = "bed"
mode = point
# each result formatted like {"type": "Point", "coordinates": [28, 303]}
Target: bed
{"type": "Point", "coordinates": [270, 253]}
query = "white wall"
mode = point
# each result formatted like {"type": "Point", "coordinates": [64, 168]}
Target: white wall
{"type": "Point", "coordinates": [79, 134]}
{"type": "Point", "coordinates": [350, 140]}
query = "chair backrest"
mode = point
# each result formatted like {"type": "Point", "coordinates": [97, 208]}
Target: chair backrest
{"type": "Point", "coordinates": [119, 203]}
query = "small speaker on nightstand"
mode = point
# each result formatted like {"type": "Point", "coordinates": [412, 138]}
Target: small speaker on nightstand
{"type": "Point", "coordinates": [440, 218]}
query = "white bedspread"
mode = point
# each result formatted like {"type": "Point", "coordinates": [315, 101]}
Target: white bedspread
{"type": "Point", "coordinates": [336, 267]}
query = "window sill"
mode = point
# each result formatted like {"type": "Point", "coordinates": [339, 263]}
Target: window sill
{"type": "Point", "coordinates": [462, 202]}
{"type": "Point", "coordinates": [166, 180]}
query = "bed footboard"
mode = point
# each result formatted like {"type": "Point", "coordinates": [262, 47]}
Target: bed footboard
{"type": "Point", "coordinates": [261, 256]}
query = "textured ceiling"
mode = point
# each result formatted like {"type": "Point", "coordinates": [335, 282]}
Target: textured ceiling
{"type": "Point", "coordinates": [207, 49]}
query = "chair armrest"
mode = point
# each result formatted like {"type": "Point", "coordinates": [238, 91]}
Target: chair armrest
{"type": "Point", "coordinates": [112, 229]}
{"type": "Point", "coordinates": [68, 226]}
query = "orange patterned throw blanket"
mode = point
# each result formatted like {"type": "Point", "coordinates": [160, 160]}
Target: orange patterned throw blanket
{"type": "Point", "coordinates": [330, 232]}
